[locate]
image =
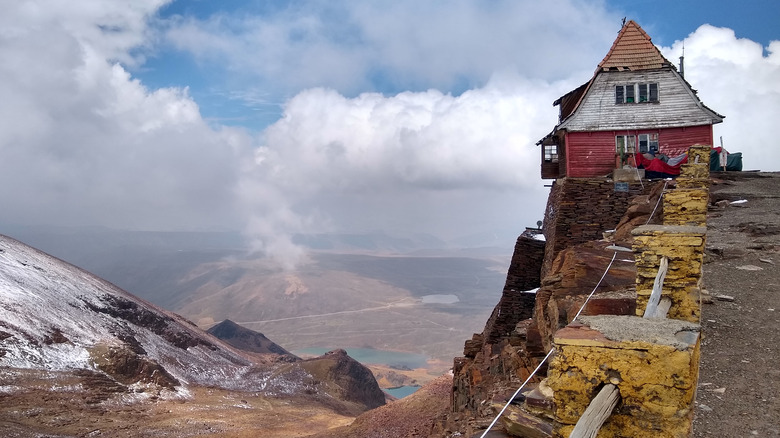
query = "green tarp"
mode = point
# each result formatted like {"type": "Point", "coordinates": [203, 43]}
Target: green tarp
{"type": "Point", "coordinates": [733, 161]}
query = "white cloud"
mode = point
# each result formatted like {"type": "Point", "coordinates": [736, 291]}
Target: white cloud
{"type": "Point", "coordinates": [357, 46]}
{"type": "Point", "coordinates": [83, 142]}
{"type": "Point", "coordinates": [414, 163]}
{"type": "Point", "coordinates": [736, 79]}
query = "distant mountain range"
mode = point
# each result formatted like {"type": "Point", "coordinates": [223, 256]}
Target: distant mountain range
{"type": "Point", "coordinates": [354, 291]}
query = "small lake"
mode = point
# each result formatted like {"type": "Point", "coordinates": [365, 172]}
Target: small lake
{"type": "Point", "coordinates": [440, 299]}
{"type": "Point", "coordinates": [372, 356]}
{"type": "Point", "coordinates": [401, 391]}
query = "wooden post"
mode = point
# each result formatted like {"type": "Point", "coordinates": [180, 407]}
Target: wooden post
{"type": "Point", "coordinates": [596, 414]}
{"type": "Point", "coordinates": [654, 308]}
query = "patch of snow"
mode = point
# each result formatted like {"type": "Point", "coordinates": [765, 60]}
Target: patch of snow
{"type": "Point", "coordinates": [54, 313]}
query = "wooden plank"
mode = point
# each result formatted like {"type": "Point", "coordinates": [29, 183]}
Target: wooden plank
{"type": "Point", "coordinates": [652, 309]}
{"type": "Point", "coordinates": [596, 414]}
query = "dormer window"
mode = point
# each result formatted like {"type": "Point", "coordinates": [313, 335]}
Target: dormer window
{"type": "Point", "coordinates": [636, 93]}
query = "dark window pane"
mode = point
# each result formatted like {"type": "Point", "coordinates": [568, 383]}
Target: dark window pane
{"type": "Point", "coordinates": [643, 143]}
{"type": "Point", "coordinates": [619, 94]}
{"type": "Point", "coordinates": [643, 92]}
{"type": "Point", "coordinates": [653, 92]}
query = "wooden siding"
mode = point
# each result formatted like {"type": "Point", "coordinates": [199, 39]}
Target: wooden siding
{"type": "Point", "coordinates": [675, 141]}
{"type": "Point", "coordinates": [677, 105]}
{"type": "Point", "coordinates": [592, 154]}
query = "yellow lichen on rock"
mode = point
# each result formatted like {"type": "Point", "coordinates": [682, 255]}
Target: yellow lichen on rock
{"type": "Point", "coordinates": [683, 246]}
{"type": "Point", "coordinates": [654, 364]}
{"type": "Point", "coordinates": [686, 206]}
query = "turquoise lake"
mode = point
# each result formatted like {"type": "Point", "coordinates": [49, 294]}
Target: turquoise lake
{"type": "Point", "coordinates": [401, 391]}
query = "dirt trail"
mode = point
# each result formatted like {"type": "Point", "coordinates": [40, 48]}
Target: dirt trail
{"type": "Point", "coordinates": [740, 363]}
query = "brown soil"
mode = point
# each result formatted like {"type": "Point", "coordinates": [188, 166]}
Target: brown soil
{"type": "Point", "coordinates": [740, 370]}
{"type": "Point", "coordinates": [35, 404]}
{"type": "Point", "coordinates": [414, 416]}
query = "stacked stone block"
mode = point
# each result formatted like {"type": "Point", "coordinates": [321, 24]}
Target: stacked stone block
{"type": "Point", "coordinates": [683, 246]}
{"type": "Point", "coordinates": [654, 364]}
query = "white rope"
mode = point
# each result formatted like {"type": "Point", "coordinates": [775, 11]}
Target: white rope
{"type": "Point", "coordinates": [493, 423]}
{"type": "Point", "coordinates": [636, 167]}
{"type": "Point", "coordinates": [656, 204]}
{"type": "Point", "coordinates": [517, 392]}
{"type": "Point", "coordinates": [597, 286]}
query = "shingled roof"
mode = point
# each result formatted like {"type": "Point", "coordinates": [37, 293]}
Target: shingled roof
{"type": "Point", "coordinates": [633, 50]}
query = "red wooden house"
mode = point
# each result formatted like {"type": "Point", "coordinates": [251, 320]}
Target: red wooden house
{"type": "Point", "coordinates": [636, 101]}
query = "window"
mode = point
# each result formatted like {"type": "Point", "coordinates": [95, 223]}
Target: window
{"type": "Point", "coordinates": [630, 93]}
{"type": "Point", "coordinates": [625, 144]}
{"type": "Point", "coordinates": [648, 143]}
{"type": "Point", "coordinates": [550, 153]}
{"type": "Point", "coordinates": [636, 93]}
{"type": "Point", "coordinates": [648, 92]}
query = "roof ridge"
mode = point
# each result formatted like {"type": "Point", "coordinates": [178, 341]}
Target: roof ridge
{"type": "Point", "coordinates": [632, 50]}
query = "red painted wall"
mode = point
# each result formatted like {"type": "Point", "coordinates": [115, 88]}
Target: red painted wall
{"type": "Point", "coordinates": [592, 154]}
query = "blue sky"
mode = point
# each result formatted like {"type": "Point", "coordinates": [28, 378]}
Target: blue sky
{"type": "Point", "coordinates": [234, 98]}
{"type": "Point", "coordinates": [275, 118]}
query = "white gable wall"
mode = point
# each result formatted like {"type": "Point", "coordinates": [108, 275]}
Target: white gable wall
{"type": "Point", "coordinates": [677, 105]}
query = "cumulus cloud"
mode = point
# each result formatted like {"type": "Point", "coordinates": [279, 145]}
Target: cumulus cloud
{"type": "Point", "coordinates": [424, 162]}
{"type": "Point", "coordinates": [736, 78]}
{"type": "Point", "coordinates": [86, 143]}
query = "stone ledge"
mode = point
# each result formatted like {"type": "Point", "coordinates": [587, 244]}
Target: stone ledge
{"type": "Point", "coordinates": [620, 331]}
{"type": "Point", "coordinates": [669, 229]}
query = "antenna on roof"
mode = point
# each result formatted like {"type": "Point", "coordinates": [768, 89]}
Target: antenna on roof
{"type": "Point", "coordinates": [624, 23]}
{"type": "Point", "coordinates": [682, 61]}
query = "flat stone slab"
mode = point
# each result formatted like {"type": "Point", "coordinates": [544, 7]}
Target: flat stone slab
{"type": "Point", "coordinates": [671, 229]}
{"type": "Point", "coordinates": [617, 329]}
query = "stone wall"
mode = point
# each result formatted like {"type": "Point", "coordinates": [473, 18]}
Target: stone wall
{"type": "Point", "coordinates": [515, 305]}
{"type": "Point", "coordinates": [652, 362]}
{"type": "Point", "coordinates": [515, 341]}
{"type": "Point", "coordinates": [495, 358]}
{"type": "Point", "coordinates": [581, 209]}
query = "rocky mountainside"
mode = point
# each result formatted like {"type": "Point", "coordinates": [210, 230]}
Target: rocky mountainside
{"type": "Point", "coordinates": [246, 339]}
{"type": "Point", "coordinates": [339, 374]}
{"type": "Point", "coordinates": [57, 317]}
{"type": "Point", "coordinates": [80, 356]}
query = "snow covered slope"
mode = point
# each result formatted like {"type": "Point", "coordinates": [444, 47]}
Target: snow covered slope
{"type": "Point", "coordinates": [57, 317]}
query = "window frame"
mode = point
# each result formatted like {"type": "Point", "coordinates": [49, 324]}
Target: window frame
{"type": "Point", "coordinates": [650, 140]}
{"type": "Point", "coordinates": [644, 92]}
{"type": "Point", "coordinates": [629, 144]}
{"type": "Point", "coordinates": [550, 153]}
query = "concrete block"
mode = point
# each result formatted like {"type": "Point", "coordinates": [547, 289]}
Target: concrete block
{"type": "Point", "coordinates": [629, 174]}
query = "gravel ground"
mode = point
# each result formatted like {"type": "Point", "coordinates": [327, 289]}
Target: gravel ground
{"type": "Point", "coordinates": [740, 360]}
